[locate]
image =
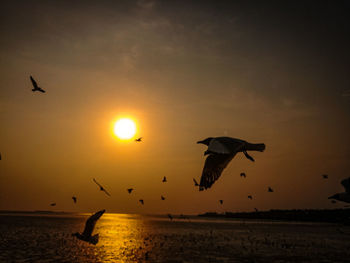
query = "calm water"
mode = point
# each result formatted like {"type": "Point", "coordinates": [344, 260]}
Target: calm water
{"type": "Point", "coordinates": [134, 238]}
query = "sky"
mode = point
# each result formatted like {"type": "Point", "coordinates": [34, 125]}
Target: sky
{"type": "Point", "coordinates": [273, 72]}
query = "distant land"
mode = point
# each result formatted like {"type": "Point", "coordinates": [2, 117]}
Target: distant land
{"type": "Point", "coordinates": [298, 215]}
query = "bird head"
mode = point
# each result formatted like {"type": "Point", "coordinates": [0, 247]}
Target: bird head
{"type": "Point", "coordinates": [206, 141]}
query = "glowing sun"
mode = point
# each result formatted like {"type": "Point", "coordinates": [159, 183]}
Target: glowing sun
{"type": "Point", "coordinates": [125, 128]}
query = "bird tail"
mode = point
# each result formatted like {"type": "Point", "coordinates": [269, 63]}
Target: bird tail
{"type": "Point", "coordinates": [255, 147]}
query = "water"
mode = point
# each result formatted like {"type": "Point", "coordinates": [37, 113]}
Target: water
{"type": "Point", "coordinates": [134, 238]}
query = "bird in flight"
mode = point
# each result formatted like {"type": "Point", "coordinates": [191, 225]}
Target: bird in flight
{"type": "Point", "coordinates": [270, 190]}
{"type": "Point", "coordinates": [130, 190]}
{"type": "Point", "coordinates": [170, 216]}
{"type": "Point", "coordinates": [89, 228]}
{"type": "Point", "coordinates": [162, 197]}
{"type": "Point", "coordinates": [141, 201]}
{"type": "Point", "coordinates": [35, 85]}
{"type": "Point", "coordinates": [243, 175]}
{"type": "Point", "coordinates": [221, 202]}
{"type": "Point", "coordinates": [101, 187]}
{"type": "Point", "coordinates": [74, 199]}
{"type": "Point", "coordinates": [138, 139]}
{"type": "Point", "coordinates": [256, 209]}
{"type": "Point", "coordinates": [164, 179]}
{"type": "Point", "coordinates": [53, 204]}
{"type": "Point", "coordinates": [221, 151]}
{"type": "Point", "coordinates": [325, 176]}
{"type": "Point", "coordinates": [250, 197]}
{"type": "Point", "coordinates": [195, 182]}
{"type": "Point", "coordinates": [344, 196]}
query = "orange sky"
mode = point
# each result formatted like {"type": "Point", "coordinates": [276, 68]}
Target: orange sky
{"type": "Point", "coordinates": [186, 71]}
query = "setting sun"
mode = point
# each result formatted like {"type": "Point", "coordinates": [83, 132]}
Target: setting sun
{"type": "Point", "coordinates": [125, 128]}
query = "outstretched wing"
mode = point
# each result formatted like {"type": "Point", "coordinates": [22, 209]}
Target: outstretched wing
{"type": "Point", "coordinates": [346, 184]}
{"type": "Point", "coordinates": [104, 190]}
{"type": "Point", "coordinates": [213, 167]}
{"type": "Point", "coordinates": [35, 85]}
{"type": "Point", "coordinates": [195, 182]}
{"type": "Point", "coordinates": [96, 182]}
{"type": "Point", "coordinates": [91, 222]}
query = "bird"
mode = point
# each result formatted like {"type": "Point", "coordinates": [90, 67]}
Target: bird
{"type": "Point", "coordinates": [243, 175]}
{"type": "Point", "coordinates": [250, 197]}
{"type": "Point", "coordinates": [325, 176]}
{"type": "Point", "coordinates": [141, 201]}
{"type": "Point", "coordinates": [170, 216]}
{"type": "Point", "coordinates": [53, 204]}
{"type": "Point", "coordinates": [164, 179]}
{"type": "Point", "coordinates": [101, 188]}
{"type": "Point", "coordinates": [195, 182]}
{"type": "Point", "coordinates": [221, 151]}
{"type": "Point", "coordinates": [89, 228]}
{"type": "Point", "coordinates": [74, 199]}
{"type": "Point", "coordinates": [130, 190]}
{"type": "Point", "coordinates": [344, 196]}
{"type": "Point", "coordinates": [270, 190]}
{"type": "Point", "coordinates": [138, 139]}
{"type": "Point", "coordinates": [162, 197]}
{"type": "Point", "coordinates": [256, 209]}
{"type": "Point", "coordinates": [221, 201]}
{"type": "Point", "coordinates": [35, 85]}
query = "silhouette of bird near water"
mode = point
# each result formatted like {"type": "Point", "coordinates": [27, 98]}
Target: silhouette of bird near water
{"type": "Point", "coordinates": [101, 187]}
{"type": "Point", "coordinates": [53, 204]}
{"type": "Point", "coordinates": [35, 85]}
{"type": "Point", "coordinates": [250, 197]}
{"type": "Point", "coordinates": [243, 175]}
{"type": "Point", "coordinates": [162, 197]}
{"type": "Point", "coordinates": [141, 201]}
{"type": "Point", "coordinates": [164, 179]}
{"type": "Point", "coordinates": [74, 199]}
{"type": "Point", "coordinates": [89, 228]}
{"type": "Point", "coordinates": [325, 176]}
{"type": "Point", "coordinates": [221, 151]}
{"type": "Point", "coordinates": [130, 190]}
{"type": "Point", "coordinates": [344, 196]}
{"type": "Point", "coordinates": [221, 201]}
{"type": "Point", "coordinates": [269, 189]}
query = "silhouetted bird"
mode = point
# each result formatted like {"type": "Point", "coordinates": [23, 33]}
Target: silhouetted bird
{"type": "Point", "coordinates": [270, 189]}
{"type": "Point", "coordinates": [221, 201]}
{"type": "Point", "coordinates": [250, 197]}
{"type": "Point", "coordinates": [243, 175]}
{"type": "Point", "coordinates": [221, 151]}
{"type": "Point", "coordinates": [101, 188]}
{"type": "Point", "coordinates": [53, 204]}
{"type": "Point", "coordinates": [345, 196]}
{"type": "Point", "coordinates": [130, 190]}
{"type": "Point", "coordinates": [164, 179]}
{"type": "Point", "coordinates": [324, 176]}
{"type": "Point", "coordinates": [35, 85]}
{"type": "Point", "coordinates": [256, 210]}
{"type": "Point", "coordinates": [141, 201]}
{"type": "Point", "coordinates": [74, 199]}
{"type": "Point", "coordinates": [170, 216]}
{"type": "Point", "coordinates": [138, 139]}
{"type": "Point", "coordinates": [195, 182]}
{"type": "Point", "coordinates": [162, 197]}
{"type": "Point", "coordinates": [89, 228]}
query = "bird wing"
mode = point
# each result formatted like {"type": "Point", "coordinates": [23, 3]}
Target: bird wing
{"type": "Point", "coordinates": [346, 184]}
{"type": "Point", "coordinates": [96, 182]}
{"type": "Point", "coordinates": [104, 190]}
{"type": "Point", "coordinates": [91, 222]}
{"type": "Point", "coordinates": [35, 85]}
{"type": "Point", "coordinates": [41, 90]}
{"type": "Point", "coordinates": [213, 167]}
{"type": "Point", "coordinates": [195, 182]}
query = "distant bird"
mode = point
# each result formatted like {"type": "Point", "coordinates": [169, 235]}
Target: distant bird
{"type": "Point", "coordinates": [324, 176]}
{"type": "Point", "coordinates": [74, 199]}
{"type": "Point", "coordinates": [256, 210]}
{"type": "Point", "coordinates": [170, 216]}
{"type": "Point", "coordinates": [221, 151]}
{"type": "Point", "coordinates": [250, 197]}
{"type": "Point", "coordinates": [101, 187]}
{"type": "Point", "coordinates": [221, 201]}
{"type": "Point", "coordinates": [138, 139]}
{"type": "Point", "coordinates": [141, 201]}
{"type": "Point", "coordinates": [130, 190]}
{"type": "Point", "coordinates": [162, 197]}
{"type": "Point", "coordinates": [195, 182]}
{"type": "Point", "coordinates": [35, 85]}
{"type": "Point", "coordinates": [164, 179]}
{"type": "Point", "coordinates": [89, 228]}
{"type": "Point", "coordinates": [270, 190]}
{"type": "Point", "coordinates": [345, 196]}
{"type": "Point", "coordinates": [53, 204]}
{"type": "Point", "coordinates": [243, 175]}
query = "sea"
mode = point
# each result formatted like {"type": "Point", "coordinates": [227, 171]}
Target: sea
{"type": "Point", "coordinates": [139, 238]}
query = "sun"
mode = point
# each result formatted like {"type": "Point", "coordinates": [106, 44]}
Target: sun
{"type": "Point", "coordinates": [125, 128]}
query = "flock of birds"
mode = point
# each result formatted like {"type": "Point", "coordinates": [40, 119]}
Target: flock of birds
{"type": "Point", "coordinates": [220, 151]}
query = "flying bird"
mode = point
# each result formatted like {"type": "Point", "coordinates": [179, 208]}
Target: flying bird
{"type": "Point", "coordinates": [141, 201]}
{"type": "Point", "coordinates": [164, 179]}
{"type": "Point", "coordinates": [35, 85]}
{"type": "Point", "coordinates": [221, 151]}
{"type": "Point", "coordinates": [74, 199]}
{"type": "Point", "coordinates": [162, 197]}
{"type": "Point", "coordinates": [89, 228]}
{"type": "Point", "coordinates": [344, 196]}
{"type": "Point", "coordinates": [53, 204]}
{"type": "Point", "coordinates": [270, 190]}
{"type": "Point", "coordinates": [138, 139]}
{"type": "Point", "coordinates": [250, 197]}
{"type": "Point", "coordinates": [101, 187]}
{"type": "Point", "coordinates": [256, 209]}
{"type": "Point", "coordinates": [243, 175]}
{"type": "Point", "coordinates": [325, 176]}
{"type": "Point", "coordinates": [221, 201]}
{"type": "Point", "coordinates": [130, 190]}
{"type": "Point", "coordinates": [195, 182]}
{"type": "Point", "coordinates": [170, 216]}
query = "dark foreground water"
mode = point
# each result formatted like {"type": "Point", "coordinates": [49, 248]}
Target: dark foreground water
{"type": "Point", "coordinates": [134, 238]}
